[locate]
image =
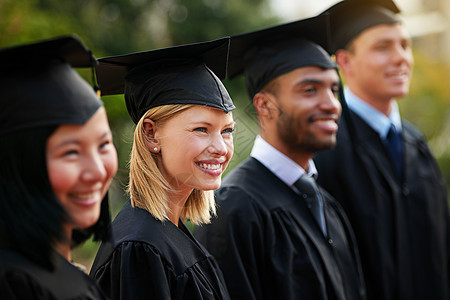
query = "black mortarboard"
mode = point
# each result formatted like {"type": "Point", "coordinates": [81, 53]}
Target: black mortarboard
{"type": "Point", "coordinates": [40, 87]}
{"type": "Point", "coordinates": [186, 74]}
{"type": "Point", "coordinates": [349, 18]}
{"type": "Point", "coordinates": [266, 54]}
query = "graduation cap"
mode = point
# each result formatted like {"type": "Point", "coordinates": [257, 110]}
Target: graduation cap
{"type": "Point", "coordinates": [266, 54]}
{"type": "Point", "coordinates": [349, 18]}
{"type": "Point", "coordinates": [186, 74]}
{"type": "Point", "coordinates": [40, 87]}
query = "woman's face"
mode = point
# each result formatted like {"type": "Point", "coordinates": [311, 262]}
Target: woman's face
{"type": "Point", "coordinates": [196, 146]}
{"type": "Point", "coordinates": [81, 162]}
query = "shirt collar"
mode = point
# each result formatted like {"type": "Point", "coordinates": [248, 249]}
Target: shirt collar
{"type": "Point", "coordinates": [378, 121]}
{"type": "Point", "coordinates": [278, 163]}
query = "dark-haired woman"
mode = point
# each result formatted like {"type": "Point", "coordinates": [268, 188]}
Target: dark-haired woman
{"type": "Point", "coordinates": [57, 162]}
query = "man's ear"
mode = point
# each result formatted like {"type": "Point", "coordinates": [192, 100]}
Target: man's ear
{"type": "Point", "coordinates": [151, 140]}
{"type": "Point", "coordinates": [263, 105]}
{"type": "Point", "coordinates": [343, 60]}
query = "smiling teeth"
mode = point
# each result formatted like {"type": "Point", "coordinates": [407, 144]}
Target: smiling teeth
{"type": "Point", "coordinates": [210, 166]}
{"type": "Point", "coordinates": [399, 74]}
{"type": "Point", "coordinates": [86, 196]}
{"type": "Point", "coordinates": [326, 121]}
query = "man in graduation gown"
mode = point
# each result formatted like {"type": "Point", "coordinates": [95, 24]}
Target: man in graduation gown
{"type": "Point", "coordinates": [397, 206]}
{"type": "Point", "coordinates": [275, 236]}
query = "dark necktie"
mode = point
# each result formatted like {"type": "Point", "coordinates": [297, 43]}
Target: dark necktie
{"type": "Point", "coordinates": [309, 191]}
{"type": "Point", "coordinates": [393, 143]}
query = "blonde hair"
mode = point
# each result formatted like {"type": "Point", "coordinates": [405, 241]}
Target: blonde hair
{"type": "Point", "coordinates": [148, 189]}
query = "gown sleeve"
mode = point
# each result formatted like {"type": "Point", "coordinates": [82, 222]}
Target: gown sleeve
{"type": "Point", "coordinates": [236, 240]}
{"type": "Point", "coordinates": [19, 286]}
{"type": "Point", "coordinates": [135, 270]}
{"type": "Point", "coordinates": [35, 283]}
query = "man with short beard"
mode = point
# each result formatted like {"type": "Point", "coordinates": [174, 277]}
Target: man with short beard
{"type": "Point", "coordinates": [277, 234]}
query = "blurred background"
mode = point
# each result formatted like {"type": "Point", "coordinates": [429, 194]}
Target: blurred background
{"type": "Point", "coordinates": [113, 27]}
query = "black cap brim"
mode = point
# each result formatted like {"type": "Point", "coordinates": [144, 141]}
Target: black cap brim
{"type": "Point", "coordinates": [315, 29]}
{"type": "Point", "coordinates": [112, 70]}
{"type": "Point", "coordinates": [349, 18]}
{"type": "Point", "coordinates": [265, 54]}
{"type": "Point", "coordinates": [186, 74]}
{"type": "Point", "coordinates": [67, 48]}
{"type": "Point", "coordinates": [40, 86]}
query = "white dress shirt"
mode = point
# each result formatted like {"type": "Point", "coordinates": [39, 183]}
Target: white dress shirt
{"type": "Point", "coordinates": [284, 168]}
{"type": "Point", "coordinates": [374, 118]}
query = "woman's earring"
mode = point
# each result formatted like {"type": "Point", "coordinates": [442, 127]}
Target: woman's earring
{"type": "Point", "coordinates": [156, 149]}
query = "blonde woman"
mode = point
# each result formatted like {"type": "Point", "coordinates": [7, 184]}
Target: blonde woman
{"type": "Point", "coordinates": [182, 144]}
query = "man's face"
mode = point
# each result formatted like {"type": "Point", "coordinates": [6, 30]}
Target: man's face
{"type": "Point", "coordinates": [307, 110]}
{"type": "Point", "coordinates": [379, 63]}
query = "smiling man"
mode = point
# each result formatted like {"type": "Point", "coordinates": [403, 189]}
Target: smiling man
{"type": "Point", "coordinates": [381, 170]}
{"type": "Point", "coordinates": [277, 234]}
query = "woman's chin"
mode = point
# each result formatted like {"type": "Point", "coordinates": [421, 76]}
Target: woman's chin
{"type": "Point", "coordinates": [209, 186]}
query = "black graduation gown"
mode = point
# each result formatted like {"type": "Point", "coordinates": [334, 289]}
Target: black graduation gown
{"type": "Point", "coordinates": [269, 246]}
{"type": "Point", "coordinates": [149, 259]}
{"type": "Point", "coordinates": [22, 279]}
{"type": "Point", "coordinates": [401, 226]}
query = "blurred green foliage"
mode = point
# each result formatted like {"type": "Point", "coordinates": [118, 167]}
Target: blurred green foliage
{"type": "Point", "coordinates": [122, 26]}
{"type": "Point", "coordinates": [428, 106]}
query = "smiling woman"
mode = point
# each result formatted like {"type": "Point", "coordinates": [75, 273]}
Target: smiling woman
{"type": "Point", "coordinates": [182, 144]}
{"type": "Point", "coordinates": [81, 161]}
{"type": "Point", "coordinates": [194, 144]}
{"type": "Point", "coordinates": [57, 161]}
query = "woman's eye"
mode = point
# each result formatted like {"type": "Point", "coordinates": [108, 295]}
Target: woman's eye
{"type": "Point", "coordinates": [104, 145]}
{"type": "Point", "coordinates": [228, 131]}
{"type": "Point", "coordinates": [200, 129]}
{"type": "Point", "coordinates": [70, 153]}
